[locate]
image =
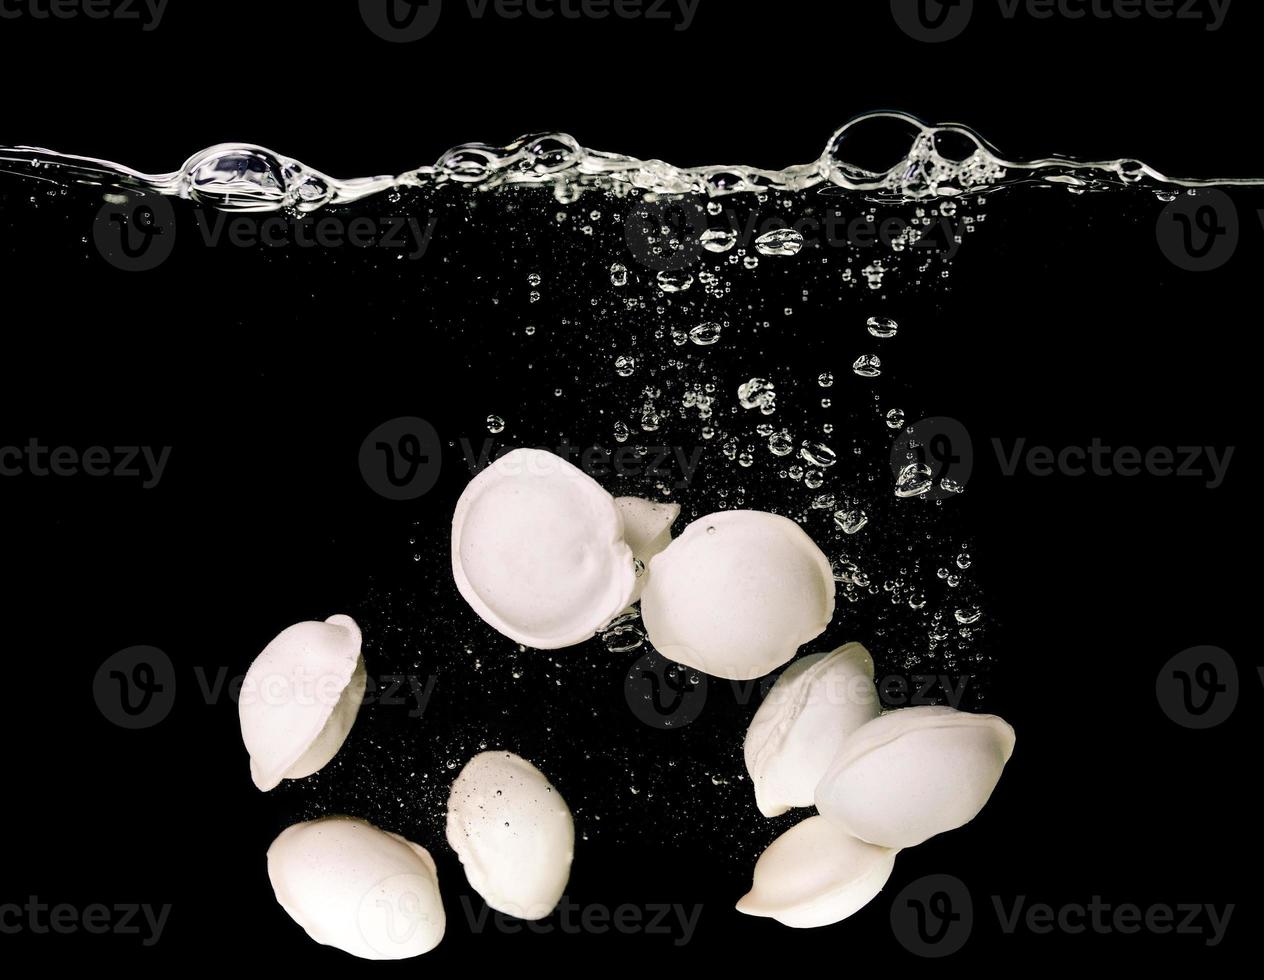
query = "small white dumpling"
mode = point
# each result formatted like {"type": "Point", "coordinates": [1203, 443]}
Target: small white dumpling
{"type": "Point", "coordinates": [359, 889]}
{"type": "Point", "coordinates": [913, 773]}
{"type": "Point", "coordinates": [816, 874]}
{"type": "Point", "coordinates": [300, 698]}
{"type": "Point", "coordinates": [538, 551]}
{"type": "Point", "coordinates": [647, 528]}
{"type": "Point", "coordinates": [513, 833]}
{"type": "Point", "coordinates": [737, 594]}
{"type": "Point", "coordinates": [805, 719]}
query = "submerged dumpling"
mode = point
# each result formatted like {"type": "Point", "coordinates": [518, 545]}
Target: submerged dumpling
{"type": "Point", "coordinates": [737, 594]}
{"type": "Point", "coordinates": [300, 698]}
{"type": "Point", "coordinates": [816, 874]}
{"type": "Point", "coordinates": [913, 773]}
{"type": "Point", "coordinates": [513, 833]}
{"type": "Point", "coordinates": [804, 721]}
{"type": "Point", "coordinates": [538, 551]}
{"type": "Point", "coordinates": [362, 890]}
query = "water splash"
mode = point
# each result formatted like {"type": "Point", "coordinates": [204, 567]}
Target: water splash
{"type": "Point", "coordinates": [883, 156]}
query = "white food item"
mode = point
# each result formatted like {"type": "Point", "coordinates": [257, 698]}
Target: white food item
{"type": "Point", "coordinates": [803, 722]}
{"type": "Point", "coordinates": [647, 529]}
{"type": "Point", "coordinates": [513, 833]}
{"type": "Point", "coordinates": [362, 890]}
{"type": "Point", "coordinates": [816, 874]}
{"type": "Point", "coordinates": [737, 594]}
{"type": "Point", "coordinates": [913, 773]}
{"type": "Point", "coordinates": [300, 698]}
{"type": "Point", "coordinates": [538, 551]}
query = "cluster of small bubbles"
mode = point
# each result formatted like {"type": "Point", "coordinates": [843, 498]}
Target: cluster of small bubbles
{"type": "Point", "coordinates": [698, 396]}
{"type": "Point", "coordinates": [883, 327]}
{"type": "Point", "coordinates": [895, 418]}
{"type": "Point", "coordinates": [495, 424]}
{"type": "Point", "coordinates": [867, 366]}
{"type": "Point", "coordinates": [874, 274]}
{"type": "Point", "coordinates": [782, 241]}
{"type": "Point", "coordinates": [651, 418]}
{"type": "Point", "coordinates": [758, 393]}
{"type": "Point", "coordinates": [625, 365]}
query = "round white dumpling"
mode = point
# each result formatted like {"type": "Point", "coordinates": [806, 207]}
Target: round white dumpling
{"type": "Point", "coordinates": [513, 833]}
{"type": "Point", "coordinates": [538, 551]}
{"type": "Point", "coordinates": [816, 874]}
{"type": "Point", "coordinates": [300, 698]}
{"type": "Point", "coordinates": [359, 889]}
{"type": "Point", "coordinates": [737, 594]}
{"type": "Point", "coordinates": [647, 529]}
{"type": "Point", "coordinates": [803, 722]}
{"type": "Point", "coordinates": [913, 773]}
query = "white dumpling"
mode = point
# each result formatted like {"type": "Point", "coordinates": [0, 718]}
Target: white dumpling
{"type": "Point", "coordinates": [647, 529]}
{"type": "Point", "coordinates": [362, 890]}
{"type": "Point", "coordinates": [913, 773]}
{"type": "Point", "coordinates": [300, 698]}
{"type": "Point", "coordinates": [800, 726]}
{"type": "Point", "coordinates": [816, 874]}
{"type": "Point", "coordinates": [513, 833]}
{"type": "Point", "coordinates": [737, 594]}
{"type": "Point", "coordinates": [538, 551]}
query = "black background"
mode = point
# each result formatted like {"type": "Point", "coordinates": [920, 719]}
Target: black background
{"type": "Point", "coordinates": [1098, 582]}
